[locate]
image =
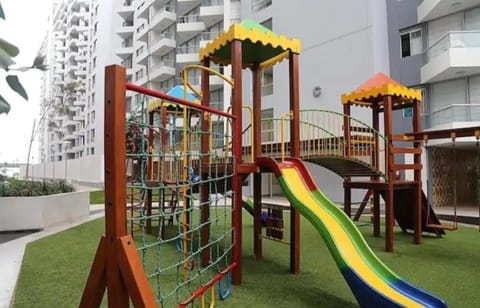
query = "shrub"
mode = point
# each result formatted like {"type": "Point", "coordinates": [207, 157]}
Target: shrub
{"type": "Point", "coordinates": [10, 187]}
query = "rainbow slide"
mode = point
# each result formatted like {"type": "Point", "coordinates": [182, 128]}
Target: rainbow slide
{"type": "Point", "coordinates": [372, 282]}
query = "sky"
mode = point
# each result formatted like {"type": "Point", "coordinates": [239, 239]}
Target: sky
{"type": "Point", "coordinates": [25, 26]}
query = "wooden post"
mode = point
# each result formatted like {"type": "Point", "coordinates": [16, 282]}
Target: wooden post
{"type": "Point", "coordinates": [376, 213]}
{"type": "Point", "coordinates": [236, 56]}
{"type": "Point", "coordinates": [417, 175]}
{"type": "Point", "coordinates": [117, 265]}
{"type": "Point", "coordinates": [376, 163]}
{"type": "Point", "coordinates": [257, 149]}
{"type": "Point", "coordinates": [148, 201]}
{"type": "Point", "coordinates": [347, 191]}
{"type": "Point", "coordinates": [204, 163]}
{"type": "Point", "coordinates": [389, 214]}
{"type": "Point", "coordinates": [294, 152]}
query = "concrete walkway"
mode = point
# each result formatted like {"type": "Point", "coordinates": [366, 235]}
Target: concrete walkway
{"type": "Point", "coordinates": [11, 254]}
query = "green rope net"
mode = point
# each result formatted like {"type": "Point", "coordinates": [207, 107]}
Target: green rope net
{"type": "Point", "coordinates": [178, 197]}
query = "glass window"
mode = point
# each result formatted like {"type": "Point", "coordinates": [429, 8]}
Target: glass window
{"type": "Point", "coordinates": [411, 43]}
{"type": "Point", "coordinates": [267, 125]}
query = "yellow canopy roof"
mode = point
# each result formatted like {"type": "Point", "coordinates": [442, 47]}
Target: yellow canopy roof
{"type": "Point", "coordinates": [380, 85]}
{"type": "Point", "coordinates": [259, 45]}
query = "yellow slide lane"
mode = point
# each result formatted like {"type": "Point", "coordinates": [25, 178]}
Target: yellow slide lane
{"type": "Point", "coordinates": [343, 242]}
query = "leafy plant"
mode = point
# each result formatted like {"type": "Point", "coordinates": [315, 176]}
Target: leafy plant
{"type": "Point", "coordinates": [9, 51]}
{"type": "Point", "coordinates": [10, 187]}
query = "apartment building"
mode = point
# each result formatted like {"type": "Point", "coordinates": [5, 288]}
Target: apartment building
{"type": "Point", "coordinates": [434, 46]}
{"type": "Point", "coordinates": [168, 36]}
{"type": "Point", "coordinates": [343, 44]}
{"type": "Point", "coordinates": [80, 42]}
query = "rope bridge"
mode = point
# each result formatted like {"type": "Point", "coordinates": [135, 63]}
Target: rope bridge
{"type": "Point", "coordinates": [322, 141]}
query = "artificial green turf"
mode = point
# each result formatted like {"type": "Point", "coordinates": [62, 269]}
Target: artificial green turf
{"type": "Point", "coordinates": [97, 197]}
{"type": "Point", "coordinates": [55, 269]}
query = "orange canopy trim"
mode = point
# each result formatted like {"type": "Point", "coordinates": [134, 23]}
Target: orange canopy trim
{"type": "Point", "coordinates": [380, 85]}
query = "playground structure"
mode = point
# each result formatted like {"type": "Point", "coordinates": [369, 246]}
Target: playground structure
{"type": "Point", "coordinates": [181, 264]}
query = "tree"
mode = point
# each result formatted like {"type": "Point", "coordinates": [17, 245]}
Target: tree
{"type": "Point", "coordinates": [9, 51]}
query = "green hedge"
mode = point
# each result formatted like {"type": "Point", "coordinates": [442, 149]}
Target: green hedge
{"type": "Point", "coordinates": [10, 187]}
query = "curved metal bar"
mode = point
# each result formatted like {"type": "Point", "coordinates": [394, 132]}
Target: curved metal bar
{"type": "Point", "coordinates": [223, 295]}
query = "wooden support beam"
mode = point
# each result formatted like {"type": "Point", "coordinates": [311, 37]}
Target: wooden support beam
{"type": "Point", "coordinates": [294, 152]}
{"type": "Point", "coordinates": [121, 279]}
{"type": "Point", "coordinates": [257, 149]}
{"type": "Point", "coordinates": [399, 150]}
{"type": "Point", "coordinates": [205, 160]}
{"type": "Point", "coordinates": [399, 167]}
{"type": "Point", "coordinates": [236, 56]}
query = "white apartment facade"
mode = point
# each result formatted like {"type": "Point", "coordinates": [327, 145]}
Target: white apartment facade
{"type": "Point", "coordinates": [450, 76]}
{"type": "Point", "coordinates": [343, 44]}
{"type": "Point", "coordinates": [168, 36]}
{"type": "Point", "coordinates": [81, 42]}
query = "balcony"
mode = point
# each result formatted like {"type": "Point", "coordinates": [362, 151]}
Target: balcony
{"type": "Point", "coordinates": [80, 117]}
{"type": "Point", "coordinates": [188, 27]}
{"type": "Point", "coordinates": [455, 55]}
{"type": "Point", "coordinates": [453, 116]}
{"type": "Point", "coordinates": [126, 29]}
{"type": "Point", "coordinates": [162, 18]}
{"type": "Point", "coordinates": [431, 9]}
{"type": "Point", "coordinates": [126, 51]}
{"type": "Point", "coordinates": [215, 82]}
{"type": "Point", "coordinates": [162, 44]}
{"type": "Point", "coordinates": [143, 8]}
{"type": "Point", "coordinates": [258, 5]}
{"type": "Point", "coordinates": [184, 6]}
{"type": "Point", "coordinates": [162, 71]}
{"type": "Point", "coordinates": [211, 12]}
{"type": "Point", "coordinates": [142, 32]}
{"type": "Point", "coordinates": [127, 10]}
{"type": "Point", "coordinates": [141, 55]}
{"type": "Point", "coordinates": [69, 122]}
{"type": "Point", "coordinates": [207, 37]}
{"type": "Point", "coordinates": [81, 57]}
{"type": "Point", "coordinates": [187, 54]}
{"type": "Point", "coordinates": [81, 72]}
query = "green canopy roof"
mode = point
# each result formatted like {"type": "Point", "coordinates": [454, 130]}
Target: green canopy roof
{"type": "Point", "coordinates": [259, 44]}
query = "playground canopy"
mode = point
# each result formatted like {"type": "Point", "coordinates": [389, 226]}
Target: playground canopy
{"type": "Point", "coordinates": [259, 45]}
{"type": "Point", "coordinates": [374, 89]}
{"type": "Point", "coordinates": [177, 91]}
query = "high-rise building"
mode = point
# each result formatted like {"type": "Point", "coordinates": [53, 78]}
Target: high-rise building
{"type": "Point", "coordinates": [168, 35]}
{"type": "Point", "coordinates": [435, 46]}
{"type": "Point", "coordinates": [80, 42]}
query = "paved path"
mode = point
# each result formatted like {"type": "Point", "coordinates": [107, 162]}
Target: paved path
{"type": "Point", "coordinates": [11, 254]}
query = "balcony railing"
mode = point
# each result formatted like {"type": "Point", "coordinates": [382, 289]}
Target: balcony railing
{"type": "Point", "coordinates": [208, 36]}
{"type": "Point", "coordinates": [163, 35]}
{"type": "Point", "coordinates": [453, 113]}
{"type": "Point", "coordinates": [166, 62]}
{"type": "Point", "coordinates": [454, 39]}
{"type": "Point", "coordinates": [257, 5]}
{"type": "Point", "coordinates": [187, 49]}
{"type": "Point", "coordinates": [188, 19]}
{"type": "Point", "coordinates": [213, 2]}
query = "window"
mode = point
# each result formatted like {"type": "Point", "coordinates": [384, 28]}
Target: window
{"type": "Point", "coordinates": [267, 74]}
{"type": "Point", "coordinates": [411, 42]}
{"type": "Point", "coordinates": [267, 81]}
{"type": "Point", "coordinates": [218, 134]}
{"type": "Point", "coordinates": [267, 125]}
{"type": "Point", "coordinates": [216, 99]}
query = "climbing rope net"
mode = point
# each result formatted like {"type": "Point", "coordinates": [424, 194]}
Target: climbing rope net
{"type": "Point", "coordinates": [179, 170]}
